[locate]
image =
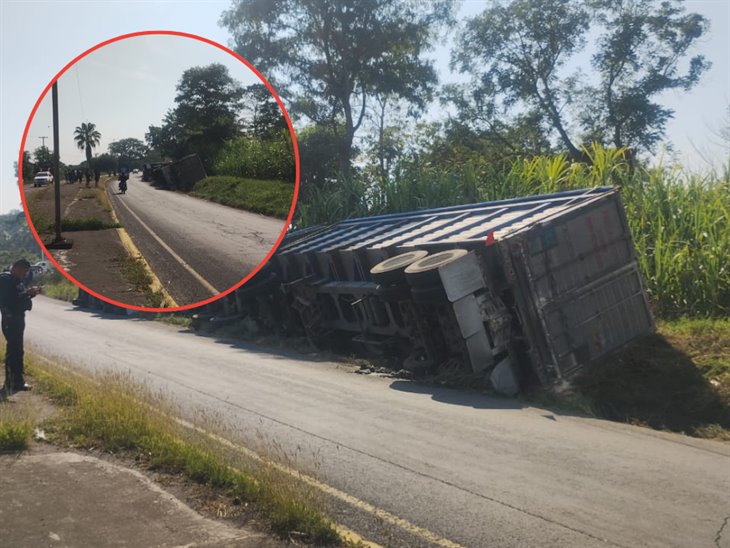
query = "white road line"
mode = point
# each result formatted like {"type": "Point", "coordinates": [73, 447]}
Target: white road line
{"type": "Point", "coordinates": [177, 257]}
{"type": "Point", "coordinates": [379, 513]}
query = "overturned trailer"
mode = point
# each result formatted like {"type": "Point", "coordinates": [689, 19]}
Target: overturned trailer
{"type": "Point", "coordinates": [533, 287]}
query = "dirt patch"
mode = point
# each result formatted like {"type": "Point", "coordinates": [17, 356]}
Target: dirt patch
{"type": "Point", "coordinates": [98, 260]}
{"type": "Point", "coordinates": [41, 204]}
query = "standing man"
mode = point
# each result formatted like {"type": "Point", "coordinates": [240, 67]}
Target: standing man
{"type": "Point", "coordinates": [15, 301]}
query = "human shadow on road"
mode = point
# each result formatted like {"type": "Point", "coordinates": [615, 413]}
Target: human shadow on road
{"type": "Point", "coordinates": [455, 396]}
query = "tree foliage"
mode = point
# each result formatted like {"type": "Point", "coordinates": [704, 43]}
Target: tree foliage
{"type": "Point", "coordinates": [129, 148]}
{"type": "Point", "coordinates": [16, 239]}
{"type": "Point", "coordinates": [87, 137]}
{"type": "Point", "coordinates": [43, 158]}
{"type": "Point", "coordinates": [517, 54]}
{"type": "Point", "coordinates": [266, 121]}
{"type": "Point", "coordinates": [208, 104]}
{"type": "Point", "coordinates": [319, 163]}
{"type": "Point", "coordinates": [106, 162]}
{"type": "Point", "coordinates": [333, 56]}
{"type": "Point", "coordinates": [638, 58]}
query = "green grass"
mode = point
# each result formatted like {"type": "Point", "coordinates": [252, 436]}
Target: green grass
{"type": "Point", "coordinates": [677, 379]}
{"type": "Point", "coordinates": [272, 198]}
{"type": "Point", "coordinates": [16, 427]}
{"type": "Point", "coordinates": [174, 319]}
{"type": "Point", "coordinates": [134, 271]}
{"type": "Point", "coordinates": [253, 158]}
{"type": "Point", "coordinates": [45, 225]}
{"type": "Point", "coordinates": [73, 224]}
{"type": "Point", "coordinates": [59, 287]}
{"type": "Point", "coordinates": [114, 413]}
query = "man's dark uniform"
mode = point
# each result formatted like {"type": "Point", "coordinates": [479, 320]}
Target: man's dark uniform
{"type": "Point", "coordinates": [14, 302]}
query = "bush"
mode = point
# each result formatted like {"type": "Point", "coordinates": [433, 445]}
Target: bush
{"type": "Point", "coordinates": [253, 158]}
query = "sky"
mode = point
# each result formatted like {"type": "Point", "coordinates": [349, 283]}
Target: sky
{"type": "Point", "coordinates": [125, 86]}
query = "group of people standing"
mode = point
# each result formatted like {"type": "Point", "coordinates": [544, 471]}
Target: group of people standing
{"type": "Point", "coordinates": [77, 176]}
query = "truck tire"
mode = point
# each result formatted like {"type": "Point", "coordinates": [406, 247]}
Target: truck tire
{"type": "Point", "coordinates": [425, 272]}
{"type": "Point", "coordinates": [390, 271]}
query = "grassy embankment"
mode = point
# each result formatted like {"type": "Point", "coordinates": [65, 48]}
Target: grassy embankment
{"type": "Point", "coordinates": [677, 379]}
{"type": "Point", "coordinates": [117, 415]}
{"type": "Point", "coordinates": [272, 198]}
{"type": "Point", "coordinates": [253, 174]}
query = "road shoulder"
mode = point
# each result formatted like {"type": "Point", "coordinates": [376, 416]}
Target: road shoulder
{"type": "Point", "coordinates": [56, 496]}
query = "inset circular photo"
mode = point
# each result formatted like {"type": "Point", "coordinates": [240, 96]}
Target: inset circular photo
{"type": "Point", "coordinates": [159, 171]}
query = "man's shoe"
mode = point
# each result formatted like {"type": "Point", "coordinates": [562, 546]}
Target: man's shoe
{"type": "Point", "coordinates": [24, 388]}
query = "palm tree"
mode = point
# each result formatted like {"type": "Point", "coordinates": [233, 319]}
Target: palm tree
{"type": "Point", "coordinates": [87, 137]}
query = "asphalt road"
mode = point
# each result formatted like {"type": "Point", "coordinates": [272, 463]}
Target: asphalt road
{"type": "Point", "coordinates": [472, 470]}
{"type": "Point", "coordinates": [196, 248]}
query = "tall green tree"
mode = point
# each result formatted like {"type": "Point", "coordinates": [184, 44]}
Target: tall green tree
{"type": "Point", "coordinates": [266, 119]}
{"type": "Point", "coordinates": [332, 56]}
{"type": "Point", "coordinates": [43, 158]}
{"type": "Point", "coordinates": [639, 54]}
{"type": "Point", "coordinates": [87, 138]}
{"type": "Point", "coordinates": [128, 149]}
{"type": "Point", "coordinates": [517, 54]}
{"type": "Point", "coordinates": [106, 162]}
{"type": "Point", "coordinates": [206, 115]}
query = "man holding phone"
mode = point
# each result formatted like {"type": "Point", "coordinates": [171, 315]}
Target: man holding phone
{"type": "Point", "coordinates": [15, 301]}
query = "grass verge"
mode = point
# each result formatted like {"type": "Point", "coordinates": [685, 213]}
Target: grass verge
{"type": "Point", "coordinates": [45, 225]}
{"type": "Point", "coordinates": [677, 379]}
{"type": "Point", "coordinates": [272, 198]}
{"type": "Point", "coordinates": [113, 413]}
{"type": "Point", "coordinates": [134, 271]}
{"type": "Point", "coordinates": [178, 320]}
{"type": "Point", "coordinates": [16, 427]}
{"type": "Point", "coordinates": [58, 287]}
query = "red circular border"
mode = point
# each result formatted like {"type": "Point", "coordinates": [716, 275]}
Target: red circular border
{"type": "Point", "coordinates": [296, 160]}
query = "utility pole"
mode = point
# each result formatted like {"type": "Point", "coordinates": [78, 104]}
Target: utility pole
{"type": "Point", "coordinates": [58, 242]}
{"type": "Point", "coordinates": [43, 140]}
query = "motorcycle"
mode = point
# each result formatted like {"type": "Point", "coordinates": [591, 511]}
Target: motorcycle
{"type": "Point", "coordinates": [123, 184]}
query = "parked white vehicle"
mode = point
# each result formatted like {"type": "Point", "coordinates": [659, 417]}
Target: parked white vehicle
{"type": "Point", "coordinates": [43, 178]}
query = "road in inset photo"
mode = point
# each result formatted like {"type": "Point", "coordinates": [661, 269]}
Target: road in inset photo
{"type": "Point", "coordinates": [167, 188]}
{"type": "Point", "coordinates": [196, 248]}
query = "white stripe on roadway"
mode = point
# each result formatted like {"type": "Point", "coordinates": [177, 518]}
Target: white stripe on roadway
{"type": "Point", "coordinates": [175, 256]}
{"type": "Point", "coordinates": [379, 513]}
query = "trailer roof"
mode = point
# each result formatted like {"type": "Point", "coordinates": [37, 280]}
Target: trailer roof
{"type": "Point", "coordinates": [446, 225]}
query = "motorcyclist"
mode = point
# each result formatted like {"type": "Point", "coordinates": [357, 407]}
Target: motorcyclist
{"type": "Point", "coordinates": [123, 176]}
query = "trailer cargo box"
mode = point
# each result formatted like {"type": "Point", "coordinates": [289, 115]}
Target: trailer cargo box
{"type": "Point", "coordinates": [535, 287]}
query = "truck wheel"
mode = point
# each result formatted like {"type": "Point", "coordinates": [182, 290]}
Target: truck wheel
{"type": "Point", "coordinates": [425, 272]}
{"type": "Point", "coordinates": [390, 271]}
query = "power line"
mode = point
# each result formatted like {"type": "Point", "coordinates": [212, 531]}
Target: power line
{"type": "Point", "coordinates": [78, 85]}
